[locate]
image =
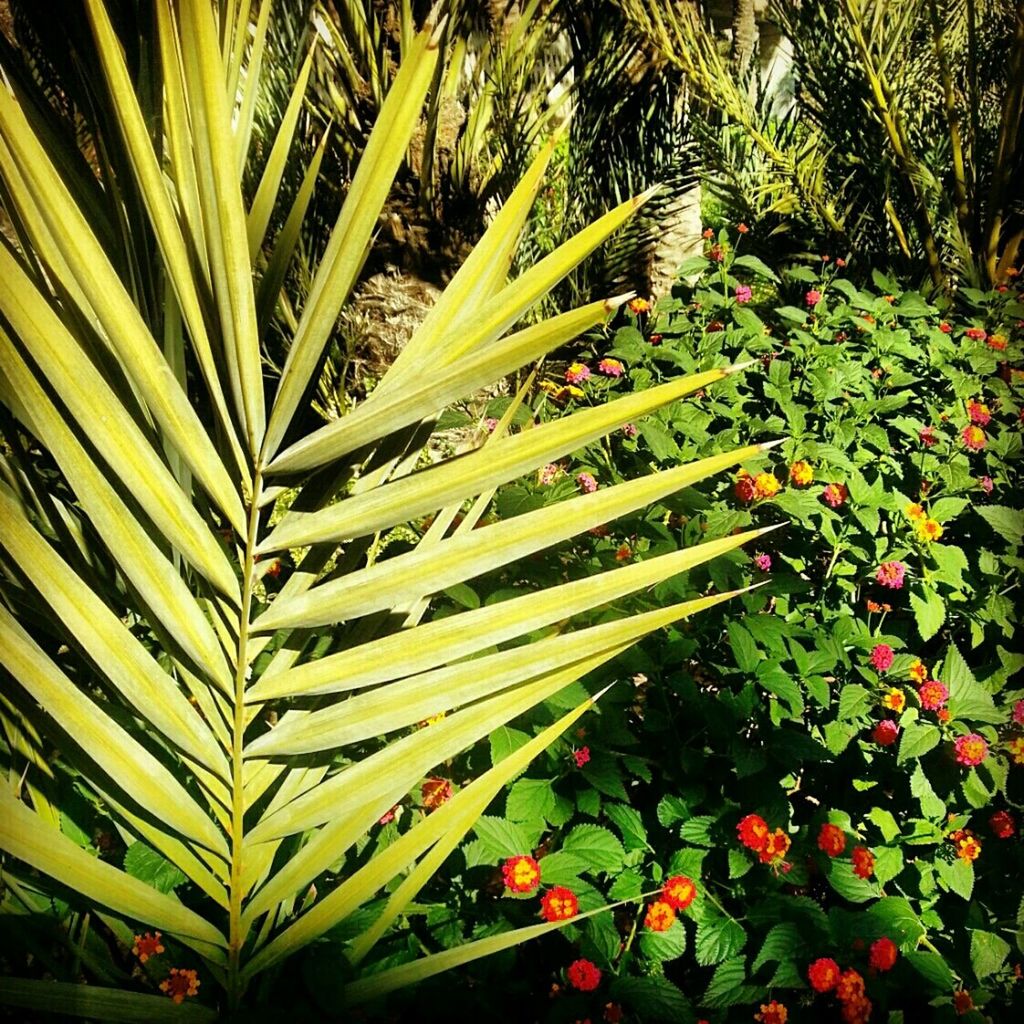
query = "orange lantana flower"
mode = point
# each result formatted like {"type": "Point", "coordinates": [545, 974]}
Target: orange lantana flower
{"type": "Point", "coordinates": [660, 916]}
{"type": "Point", "coordinates": [180, 984]}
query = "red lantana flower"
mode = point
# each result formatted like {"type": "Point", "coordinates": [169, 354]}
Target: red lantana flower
{"type": "Point", "coordinates": [850, 987]}
{"type": "Point", "coordinates": [1002, 824]}
{"type": "Point", "coordinates": [832, 839]}
{"type": "Point", "coordinates": [147, 945]}
{"type": "Point", "coordinates": [962, 1002]}
{"type": "Point", "coordinates": [883, 954]}
{"type": "Point", "coordinates": [885, 733]}
{"type": "Point", "coordinates": [823, 974]}
{"type": "Point", "coordinates": [978, 413]}
{"type": "Point", "coordinates": [863, 862]}
{"type": "Point", "coordinates": [559, 904]}
{"type": "Point", "coordinates": [660, 916]}
{"type": "Point", "coordinates": [581, 756]}
{"type": "Point", "coordinates": [776, 847]}
{"type": "Point", "coordinates": [435, 792]}
{"type": "Point", "coordinates": [753, 832]}
{"type": "Point", "coordinates": [583, 975]}
{"type": "Point", "coordinates": [772, 1013]}
{"type": "Point", "coordinates": [678, 892]}
{"type": "Point", "coordinates": [521, 874]}
{"type": "Point", "coordinates": [180, 984]}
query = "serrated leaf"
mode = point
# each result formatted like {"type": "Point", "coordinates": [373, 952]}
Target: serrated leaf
{"type": "Point", "coordinates": [744, 647]}
{"type": "Point", "coordinates": [968, 699]}
{"type": "Point", "coordinates": [666, 945]}
{"type": "Point", "coordinates": [630, 825]}
{"type": "Point", "coordinates": [854, 702]}
{"type": "Point", "coordinates": [718, 938]}
{"type": "Point", "coordinates": [849, 885]}
{"type": "Point", "coordinates": [727, 986]}
{"type": "Point", "coordinates": [988, 953]}
{"type": "Point", "coordinates": [501, 838]}
{"type": "Point", "coordinates": [652, 999]}
{"type": "Point", "coordinates": [1007, 522]}
{"type": "Point", "coordinates": [917, 739]}
{"type": "Point", "coordinates": [783, 942]}
{"type": "Point", "coordinates": [958, 877]}
{"type": "Point", "coordinates": [895, 918]}
{"type": "Point", "coordinates": [698, 830]}
{"type": "Point", "coordinates": [931, 805]}
{"type": "Point", "coordinates": [597, 847]}
{"type": "Point", "coordinates": [529, 800]}
{"type": "Point", "coordinates": [148, 866]}
{"type": "Point", "coordinates": [929, 612]}
{"type": "Point", "coordinates": [672, 809]}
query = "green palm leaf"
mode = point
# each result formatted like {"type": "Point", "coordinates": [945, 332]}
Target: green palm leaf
{"type": "Point", "coordinates": [138, 631]}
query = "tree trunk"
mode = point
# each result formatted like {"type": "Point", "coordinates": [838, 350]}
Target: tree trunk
{"type": "Point", "coordinates": [744, 35]}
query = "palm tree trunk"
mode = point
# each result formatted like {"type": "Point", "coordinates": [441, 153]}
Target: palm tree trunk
{"type": "Point", "coordinates": [744, 35]}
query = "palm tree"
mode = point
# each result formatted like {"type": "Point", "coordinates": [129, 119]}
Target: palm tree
{"type": "Point", "coordinates": [243, 733]}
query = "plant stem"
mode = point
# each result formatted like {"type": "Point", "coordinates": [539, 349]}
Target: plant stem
{"type": "Point", "coordinates": [237, 838]}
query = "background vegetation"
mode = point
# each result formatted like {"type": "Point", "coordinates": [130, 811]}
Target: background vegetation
{"type": "Point", "coordinates": [803, 803]}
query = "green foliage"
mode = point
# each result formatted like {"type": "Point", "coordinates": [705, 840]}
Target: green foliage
{"type": "Point", "coordinates": [773, 712]}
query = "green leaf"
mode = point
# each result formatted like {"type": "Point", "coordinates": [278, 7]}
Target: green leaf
{"type": "Point", "coordinates": [895, 918]}
{"type": "Point", "coordinates": [106, 1004]}
{"type": "Point", "coordinates": [931, 805]}
{"type": "Point", "coordinates": [501, 838]}
{"type": "Point", "coordinates": [148, 866]}
{"type": "Point", "coordinates": [666, 945]}
{"type": "Point", "coordinates": [504, 741]}
{"type": "Point", "coordinates": [530, 800]}
{"type": "Point", "coordinates": [744, 647]}
{"type": "Point", "coordinates": [597, 847]}
{"type": "Point", "coordinates": [1007, 522]}
{"type": "Point", "coordinates": [757, 265]}
{"type": "Point", "coordinates": [727, 986]}
{"type": "Point", "coordinates": [929, 611]}
{"type": "Point", "coordinates": [783, 942]}
{"type": "Point", "coordinates": [988, 953]}
{"type": "Point", "coordinates": [885, 822]}
{"type": "Point", "coordinates": [917, 739]}
{"type": "Point", "coordinates": [718, 938]}
{"type": "Point", "coordinates": [697, 830]}
{"type": "Point", "coordinates": [672, 809]}
{"type": "Point", "coordinates": [849, 885]}
{"type": "Point", "coordinates": [958, 877]}
{"type": "Point", "coordinates": [630, 825]}
{"type": "Point", "coordinates": [934, 969]}
{"type": "Point", "coordinates": [854, 702]}
{"type": "Point", "coordinates": [653, 998]}
{"type": "Point", "coordinates": [968, 699]}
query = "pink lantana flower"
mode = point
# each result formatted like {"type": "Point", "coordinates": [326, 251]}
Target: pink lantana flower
{"type": "Point", "coordinates": [763, 562]}
{"type": "Point", "coordinates": [881, 657]}
{"type": "Point", "coordinates": [743, 293]}
{"type": "Point", "coordinates": [610, 367]}
{"type": "Point", "coordinates": [971, 749]}
{"type": "Point", "coordinates": [813, 297]}
{"type": "Point", "coordinates": [587, 483]}
{"type": "Point", "coordinates": [577, 373]}
{"type": "Point", "coordinates": [890, 574]}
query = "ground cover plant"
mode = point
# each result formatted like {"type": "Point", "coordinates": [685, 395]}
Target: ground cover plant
{"type": "Point", "coordinates": [837, 774]}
